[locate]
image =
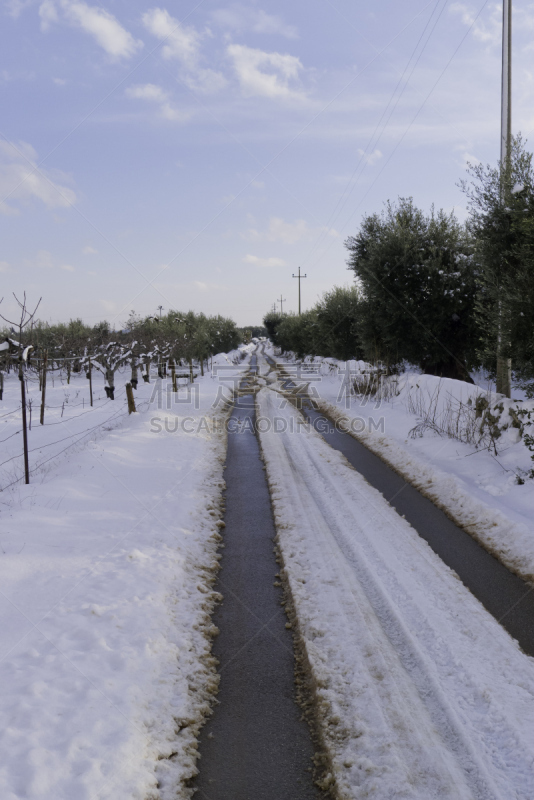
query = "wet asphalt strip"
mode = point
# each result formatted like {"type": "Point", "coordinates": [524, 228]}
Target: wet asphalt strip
{"type": "Point", "coordinates": [255, 746]}
{"type": "Point", "coordinates": [508, 598]}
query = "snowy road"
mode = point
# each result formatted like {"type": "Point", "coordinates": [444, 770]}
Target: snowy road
{"type": "Point", "coordinates": [421, 693]}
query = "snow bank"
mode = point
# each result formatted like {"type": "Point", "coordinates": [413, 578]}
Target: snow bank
{"type": "Point", "coordinates": [480, 479]}
{"type": "Point", "coordinates": [106, 566]}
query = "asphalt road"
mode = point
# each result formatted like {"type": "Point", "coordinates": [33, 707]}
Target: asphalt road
{"type": "Point", "coordinates": [255, 746]}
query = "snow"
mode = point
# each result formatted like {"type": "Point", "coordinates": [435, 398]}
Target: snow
{"type": "Point", "coordinates": [475, 486]}
{"type": "Point", "coordinates": [107, 561]}
{"type": "Point", "coordinates": [420, 692]}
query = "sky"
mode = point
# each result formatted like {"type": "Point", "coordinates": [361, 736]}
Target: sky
{"type": "Point", "coordinates": [193, 155]}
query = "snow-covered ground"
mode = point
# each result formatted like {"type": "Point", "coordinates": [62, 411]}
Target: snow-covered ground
{"type": "Point", "coordinates": [106, 566]}
{"type": "Point", "coordinates": [420, 693]}
{"type": "Point", "coordinates": [476, 486]}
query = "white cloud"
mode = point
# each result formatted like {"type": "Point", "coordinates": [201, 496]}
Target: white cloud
{"type": "Point", "coordinates": [59, 81]}
{"type": "Point", "coordinates": [22, 180]}
{"type": "Point", "coordinates": [148, 91]}
{"type": "Point", "coordinates": [466, 158]}
{"type": "Point", "coordinates": [153, 93]}
{"type": "Point", "coordinates": [265, 74]}
{"type": "Point", "coordinates": [45, 260]}
{"type": "Point", "coordinates": [239, 18]}
{"type": "Point", "coordinates": [286, 232]}
{"type": "Point", "coordinates": [258, 184]}
{"type": "Point", "coordinates": [16, 7]}
{"type": "Point", "coordinates": [487, 31]}
{"type": "Point", "coordinates": [4, 266]}
{"type": "Point", "coordinates": [89, 251]}
{"type": "Point", "coordinates": [97, 22]}
{"type": "Point", "coordinates": [182, 43]}
{"type": "Point", "coordinates": [208, 287]}
{"type": "Point", "coordinates": [264, 262]}
{"type": "Point", "coordinates": [109, 305]}
{"type": "Point", "coordinates": [371, 158]}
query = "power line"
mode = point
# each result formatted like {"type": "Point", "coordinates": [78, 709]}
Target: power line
{"type": "Point", "coordinates": [373, 142]}
{"type": "Point", "coordinates": [445, 68]}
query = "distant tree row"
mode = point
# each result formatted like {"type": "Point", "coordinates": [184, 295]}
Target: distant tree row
{"type": "Point", "coordinates": [442, 295]}
{"type": "Point", "coordinates": [191, 335]}
{"type": "Point", "coordinates": [176, 339]}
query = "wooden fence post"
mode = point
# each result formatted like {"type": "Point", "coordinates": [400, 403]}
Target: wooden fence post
{"type": "Point", "coordinates": [43, 386]}
{"type": "Point", "coordinates": [130, 396]}
{"type": "Point", "coordinates": [91, 382]}
{"type": "Point", "coordinates": [24, 424]}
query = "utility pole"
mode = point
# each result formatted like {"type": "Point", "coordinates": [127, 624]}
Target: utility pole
{"type": "Point", "coordinates": [281, 301]}
{"type": "Point", "coordinates": [160, 309]}
{"type": "Point", "coordinates": [504, 365]}
{"type": "Point", "coordinates": [299, 276]}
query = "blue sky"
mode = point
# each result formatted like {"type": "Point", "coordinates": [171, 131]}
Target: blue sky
{"type": "Point", "coordinates": [194, 154]}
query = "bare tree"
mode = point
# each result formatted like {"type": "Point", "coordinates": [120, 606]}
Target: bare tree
{"type": "Point", "coordinates": [26, 318]}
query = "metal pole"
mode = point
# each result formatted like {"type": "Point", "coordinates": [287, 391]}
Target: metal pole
{"type": "Point", "coordinates": [504, 365]}
{"type": "Point", "coordinates": [506, 87]}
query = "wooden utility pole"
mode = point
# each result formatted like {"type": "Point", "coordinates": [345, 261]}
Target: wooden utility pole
{"type": "Point", "coordinates": [300, 277]}
{"type": "Point", "coordinates": [504, 365]}
{"type": "Point", "coordinates": [281, 301]}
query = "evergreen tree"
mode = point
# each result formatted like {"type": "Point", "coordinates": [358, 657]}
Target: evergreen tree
{"type": "Point", "coordinates": [300, 334]}
{"type": "Point", "coordinates": [417, 279]}
{"type": "Point", "coordinates": [338, 317]}
{"type": "Point", "coordinates": [501, 203]}
{"type": "Point", "coordinates": [272, 321]}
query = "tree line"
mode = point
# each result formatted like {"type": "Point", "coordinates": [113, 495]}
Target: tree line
{"type": "Point", "coordinates": [443, 295]}
{"type": "Point", "coordinates": [175, 339]}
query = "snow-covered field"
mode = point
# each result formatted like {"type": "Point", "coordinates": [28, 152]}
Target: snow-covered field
{"type": "Point", "coordinates": [476, 486]}
{"type": "Point", "coordinates": [420, 693]}
{"type": "Point", "coordinates": [106, 566]}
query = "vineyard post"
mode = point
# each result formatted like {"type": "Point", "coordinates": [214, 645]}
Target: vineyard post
{"type": "Point", "coordinates": [24, 423]}
{"type": "Point", "coordinates": [43, 386]}
{"type": "Point", "coordinates": [130, 397]}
